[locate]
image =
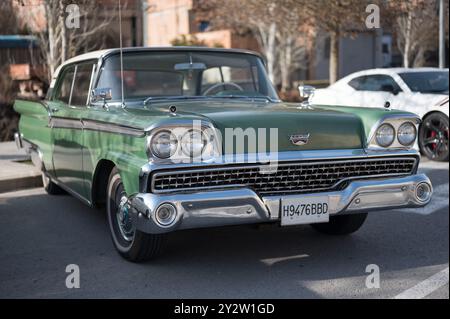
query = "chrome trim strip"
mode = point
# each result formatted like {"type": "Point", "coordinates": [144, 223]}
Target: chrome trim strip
{"type": "Point", "coordinates": [18, 140]}
{"type": "Point", "coordinates": [93, 125]}
{"type": "Point", "coordinates": [35, 154]}
{"type": "Point", "coordinates": [72, 192]}
{"type": "Point", "coordinates": [64, 122]}
{"type": "Point", "coordinates": [284, 157]}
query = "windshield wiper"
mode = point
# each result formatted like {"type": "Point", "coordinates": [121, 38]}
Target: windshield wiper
{"type": "Point", "coordinates": [243, 97]}
{"type": "Point", "coordinates": [194, 97]}
{"type": "Point", "coordinates": [176, 97]}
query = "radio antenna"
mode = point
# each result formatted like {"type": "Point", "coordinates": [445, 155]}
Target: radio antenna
{"type": "Point", "coordinates": [121, 55]}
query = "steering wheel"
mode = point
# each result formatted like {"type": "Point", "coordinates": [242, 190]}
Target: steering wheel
{"type": "Point", "coordinates": [236, 86]}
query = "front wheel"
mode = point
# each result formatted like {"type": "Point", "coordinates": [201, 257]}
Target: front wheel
{"type": "Point", "coordinates": [131, 243]}
{"type": "Point", "coordinates": [433, 137]}
{"type": "Point", "coordinates": [341, 225]}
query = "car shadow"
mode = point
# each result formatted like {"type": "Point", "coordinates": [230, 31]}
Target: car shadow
{"type": "Point", "coordinates": [65, 231]}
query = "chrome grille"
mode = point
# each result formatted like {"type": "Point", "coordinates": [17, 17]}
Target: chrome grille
{"type": "Point", "coordinates": [290, 177]}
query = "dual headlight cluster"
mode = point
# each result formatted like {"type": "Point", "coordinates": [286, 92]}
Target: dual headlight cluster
{"type": "Point", "coordinates": [386, 134]}
{"type": "Point", "coordinates": [181, 143]}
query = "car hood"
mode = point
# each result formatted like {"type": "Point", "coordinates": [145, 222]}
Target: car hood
{"type": "Point", "coordinates": [327, 128]}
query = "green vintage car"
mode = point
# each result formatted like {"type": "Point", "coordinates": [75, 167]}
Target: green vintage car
{"type": "Point", "coordinates": [166, 139]}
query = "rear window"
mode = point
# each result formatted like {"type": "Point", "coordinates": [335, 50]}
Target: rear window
{"type": "Point", "coordinates": [426, 82]}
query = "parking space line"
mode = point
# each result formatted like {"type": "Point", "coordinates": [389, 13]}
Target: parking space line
{"type": "Point", "coordinates": [426, 287]}
{"type": "Point", "coordinates": [272, 261]}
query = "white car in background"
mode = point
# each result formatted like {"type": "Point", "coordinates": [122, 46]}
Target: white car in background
{"type": "Point", "coordinates": [423, 91]}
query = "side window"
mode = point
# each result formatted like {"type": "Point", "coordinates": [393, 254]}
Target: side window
{"type": "Point", "coordinates": [81, 84]}
{"type": "Point", "coordinates": [65, 85]}
{"type": "Point", "coordinates": [357, 83]}
{"type": "Point", "coordinates": [380, 82]}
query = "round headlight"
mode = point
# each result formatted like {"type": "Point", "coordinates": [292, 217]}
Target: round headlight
{"type": "Point", "coordinates": [163, 144]}
{"type": "Point", "coordinates": [406, 134]}
{"type": "Point", "coordinates": [385, 135]}
{"type": "Point", "coordinates": [193, 143]}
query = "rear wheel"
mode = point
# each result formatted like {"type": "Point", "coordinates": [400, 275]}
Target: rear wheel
{"type": "Point", "coordinates": [131, 243]}
{"type": "Point", "coordinates": [50, 187]}
{"type": "Point", "coordinates": [433, 137]}
{"type": "Point", "coordinates": [341, 225]}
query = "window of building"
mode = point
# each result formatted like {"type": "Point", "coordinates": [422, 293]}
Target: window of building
{"type": "Point", "coordinates": [203, 26]}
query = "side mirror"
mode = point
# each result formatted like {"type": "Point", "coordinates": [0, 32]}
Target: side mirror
{"type": "Point", "coordinates": [306, 93]}
{"type": "Point", "coordinates": [101, 94]}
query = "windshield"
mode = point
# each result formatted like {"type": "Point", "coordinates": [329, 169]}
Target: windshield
{"type": "Point", "coordinates": [427, 82]}
{"type": "Point", "coordinates": [159, 75]}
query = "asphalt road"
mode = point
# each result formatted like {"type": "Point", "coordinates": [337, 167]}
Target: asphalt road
{"type": "Point", "coordinates": [41, 234]}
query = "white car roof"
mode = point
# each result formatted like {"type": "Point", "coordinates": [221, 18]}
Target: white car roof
{"type": "Point", "coordinates": [395, 71]}
{"type": "Point", "coordinates": [387, 71]}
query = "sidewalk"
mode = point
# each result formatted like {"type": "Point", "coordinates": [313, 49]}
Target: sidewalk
{"type": "Point", "coordinates": [16, 169]}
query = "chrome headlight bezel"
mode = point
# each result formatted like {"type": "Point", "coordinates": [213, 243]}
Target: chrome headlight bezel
{"type": "Point", "coordinates": [196, 145]}
{"type": "Point", "coordinates": [382, 132]}
{"type": "Point", "coordinates": [180, 130]}
{"type": "Point", "coordinates": [395, 121]}
{"type": "Point", "coordinates": [157, 137]}
{"type": "Point", "coordinates": [412, 135]}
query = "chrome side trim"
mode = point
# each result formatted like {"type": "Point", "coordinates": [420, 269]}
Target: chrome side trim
{"type": "Point", "coordinates": [93, 125]}
{"type": "Point", "coordinates": [35, 154]}
{"type": "Point", "coordinates": [63, 122]}
{"type": "Point", "coordinates": [71, 192]}
{"type": "Point", "coordinates": [18, 140]}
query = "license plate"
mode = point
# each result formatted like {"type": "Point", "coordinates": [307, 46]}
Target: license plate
{"type": "Point", "coordinates": [304, 210]}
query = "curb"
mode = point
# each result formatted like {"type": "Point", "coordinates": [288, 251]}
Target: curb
{"type": "Point", "coordinates": [14, 184]}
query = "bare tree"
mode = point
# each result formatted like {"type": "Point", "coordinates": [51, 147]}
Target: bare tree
{"type": "Point", "coordinates": [9, 23]}
{"type": "Point", "coordinates": [416, 28]}
{"type": "Point", "coordinates": [338, 18]}
{"type": "Point", "coordinates": [292, 37]}
{"type": "Point", "coordinates": [60, 40]}
{"type": "Point", "coordinates": [274, 24]}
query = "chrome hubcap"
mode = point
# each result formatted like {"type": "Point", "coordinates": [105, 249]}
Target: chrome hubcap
{"type": "Point", "coordinates": [124, 220]}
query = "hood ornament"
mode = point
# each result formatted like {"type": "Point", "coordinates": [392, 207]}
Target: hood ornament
{"type": "Point", "coordinates": [299, 139]}
{"type": "Point", "coordinates": [306, 93]}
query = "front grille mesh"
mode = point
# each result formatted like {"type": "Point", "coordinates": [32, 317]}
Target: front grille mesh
{"type": "Point", "coordinates": [289, 178]}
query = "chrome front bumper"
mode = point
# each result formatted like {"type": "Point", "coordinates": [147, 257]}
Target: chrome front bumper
{"type": "Point", "coordinates": [244, 206]}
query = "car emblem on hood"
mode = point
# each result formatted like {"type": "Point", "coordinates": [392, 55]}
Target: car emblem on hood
{"type": "Point", "coordinates": [299, 139]}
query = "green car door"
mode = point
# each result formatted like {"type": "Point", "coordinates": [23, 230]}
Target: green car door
{"type": "Point", "coordinates": [68, 108]}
